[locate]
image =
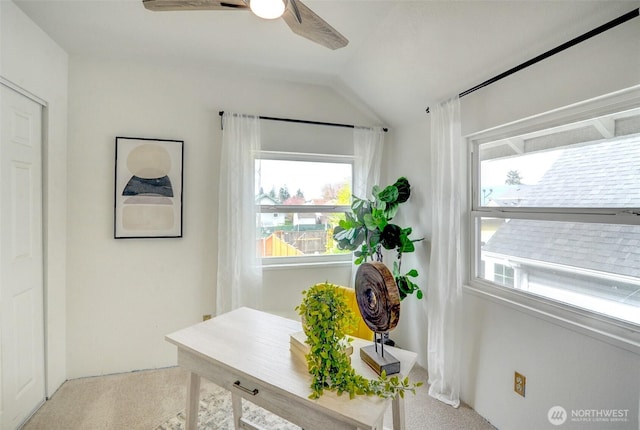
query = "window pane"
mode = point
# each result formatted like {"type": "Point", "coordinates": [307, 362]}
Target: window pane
{"type": "Point", "coordinates": [298, 234]}
{"type": "Point", "coordinates": [588, 265]}
{"type": "Point", "coordinates": [286, 229]}
{"type": "Point", "coordinates": [593, 164]}
{"type": "Point", "coordinates": [287, 182]}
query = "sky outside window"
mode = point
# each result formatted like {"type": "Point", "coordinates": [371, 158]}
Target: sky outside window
{"type": "Point", "coordinates": [311, 178]}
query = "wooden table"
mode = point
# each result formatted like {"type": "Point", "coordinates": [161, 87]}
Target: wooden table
{"type": "Point", "coordinates": [247, 352]}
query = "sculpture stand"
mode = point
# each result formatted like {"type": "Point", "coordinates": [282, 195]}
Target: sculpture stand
{"type": "Point", "coordinates": [377, 359]}
{"type": "Point", "coordinates": [379, 304]}
{"type": "Point", "coordinates": [386, 339]}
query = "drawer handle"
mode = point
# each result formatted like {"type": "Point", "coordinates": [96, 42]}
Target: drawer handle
{"type": "Point", "coordinates": [253, 392]}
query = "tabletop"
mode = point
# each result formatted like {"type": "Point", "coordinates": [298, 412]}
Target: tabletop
{"type": "Point", "coordinates": [257, 344]}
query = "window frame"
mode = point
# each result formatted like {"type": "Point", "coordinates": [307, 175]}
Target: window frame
{"type": "Point", "coordinates": [306, 260]}
{"type": "Point", "coordinates": [615, 331]}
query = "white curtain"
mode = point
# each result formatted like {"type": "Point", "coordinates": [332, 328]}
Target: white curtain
{"type": "Point", "coordinates": [239, 281]}
{"type": "Point", "coordinates": [368, 143]}
{"type": "Point", "coordinates": [367, 152]}
{"type": "Point", "coordinates": [444, 294]}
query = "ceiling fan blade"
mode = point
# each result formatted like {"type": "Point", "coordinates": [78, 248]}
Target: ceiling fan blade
{"type": "Point", "coordinates": [170, 5]}
{"type": "Point", "coordinates": [296, 11]}
{"type": "Point", "coordinates": [312, 27]}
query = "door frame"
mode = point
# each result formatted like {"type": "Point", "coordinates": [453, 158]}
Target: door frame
{"type": "Point", "coordinates": [7, 83]}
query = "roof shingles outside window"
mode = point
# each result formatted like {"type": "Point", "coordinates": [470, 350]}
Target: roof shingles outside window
{"type": "Point", "coordinates": [601, 175]}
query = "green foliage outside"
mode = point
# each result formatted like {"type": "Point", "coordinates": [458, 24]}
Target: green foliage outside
{"type": "Point", "coordinates": [513, 178]}
{"type": "Point", "coordinates": [283, 194]}
{"type": "Point", "coordinates": [343, 198]}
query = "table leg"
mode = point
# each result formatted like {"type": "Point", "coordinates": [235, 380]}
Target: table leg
{"type": "Point", "coordinates": [236, 404]}
{"type": "Point", "coordinates": [397, 409]}
{"type": "Point", "coordinates": [193, 400]}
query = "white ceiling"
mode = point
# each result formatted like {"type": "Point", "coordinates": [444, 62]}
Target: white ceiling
{"type": "Point", "coordinates": [402, 56]}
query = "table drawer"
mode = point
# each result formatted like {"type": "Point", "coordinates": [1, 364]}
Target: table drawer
{"type": "Point", "coordinates": [300, 411]}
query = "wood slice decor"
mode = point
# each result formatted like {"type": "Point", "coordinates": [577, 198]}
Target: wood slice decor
{"type": "Point", "coordinates": [378, 297]}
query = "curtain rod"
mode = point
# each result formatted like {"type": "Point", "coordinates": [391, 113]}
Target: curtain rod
{"type": "Point", "coordinates": [609, 25]}
{"type": "Point", "coordinates": [303, 121]}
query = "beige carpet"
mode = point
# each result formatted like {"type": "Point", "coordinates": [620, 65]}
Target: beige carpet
{"type": "Point", "coordinates": [153, 399]}
{"type": "Point", "coordinates": [136, 400]}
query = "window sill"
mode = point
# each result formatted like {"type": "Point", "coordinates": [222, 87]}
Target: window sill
{"type": "Point", "coordinates": [614, 332]}
{"type": "Point", "coordinates": [306, 265]}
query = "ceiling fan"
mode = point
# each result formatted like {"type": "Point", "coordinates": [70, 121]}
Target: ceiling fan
{"type": "Point", "coordinates": [302, 20]}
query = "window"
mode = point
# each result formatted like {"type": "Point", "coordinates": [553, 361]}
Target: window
{"type": "Point", "coordinates": [503, 275]}
{"type": "Point", "coordinates": [301, 198]}
{"type": "Point", "coordinates": [556, 210]}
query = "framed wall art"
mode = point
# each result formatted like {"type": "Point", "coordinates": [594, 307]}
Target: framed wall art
{"type": "Point", "coordinates": [148, 188]}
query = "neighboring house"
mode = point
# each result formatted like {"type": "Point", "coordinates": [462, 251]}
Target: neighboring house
{"type": "Point", "coordinates": [559, 259]}
{"type": "Point", "coordinates": [270, 219]}
{"type": "Point", "coordinates": [291, 233]}
{"type": "Point", "coordinates": [306, 218]}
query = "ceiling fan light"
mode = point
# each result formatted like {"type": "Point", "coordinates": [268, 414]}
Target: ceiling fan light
{"type": "Point", "coordinates": [267, 9]}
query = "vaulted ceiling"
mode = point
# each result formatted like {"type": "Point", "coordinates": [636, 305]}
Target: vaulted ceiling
{"type": "Point", "coordinates": [402, 56]}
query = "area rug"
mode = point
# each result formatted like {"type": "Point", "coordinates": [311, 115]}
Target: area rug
{"type": "Point", "coordinates": [215, 412]}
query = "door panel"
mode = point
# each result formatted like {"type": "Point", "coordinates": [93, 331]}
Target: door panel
{"type": "Point", "coordinates": [21, 274]}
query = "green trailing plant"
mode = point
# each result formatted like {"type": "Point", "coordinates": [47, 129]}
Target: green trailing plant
{"type": "Point", "coordinates": [368, 228]}
{"type": "Point", "coordinates": [326, 320]}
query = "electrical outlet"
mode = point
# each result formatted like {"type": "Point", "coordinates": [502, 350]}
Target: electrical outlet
{"type": "Point", "coordinates": [519, 383]}
{"type": "Point", "coordinates": [206, 317]}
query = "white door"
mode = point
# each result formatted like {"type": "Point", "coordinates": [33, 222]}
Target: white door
{"type": "Point", "coordinates": [21, 278]}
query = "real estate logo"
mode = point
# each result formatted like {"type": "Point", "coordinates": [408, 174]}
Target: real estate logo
{"type": "Point", "coordinates": [557, 415]}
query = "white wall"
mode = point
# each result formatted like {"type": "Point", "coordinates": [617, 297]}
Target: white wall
{"type": "Point", "coordinates": [283, 286]}
{"type": "Point", "coordinates": [124, 296]}
{"type": "Point", "coordinates": [563, 367]}
{"type": "Point", "coordinates": [30, 60]}
{"type": "Point", "coordinates": [409, 157]}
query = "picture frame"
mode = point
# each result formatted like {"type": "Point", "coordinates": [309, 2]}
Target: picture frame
{"type": "Point", "coordinates": [148, 188]}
